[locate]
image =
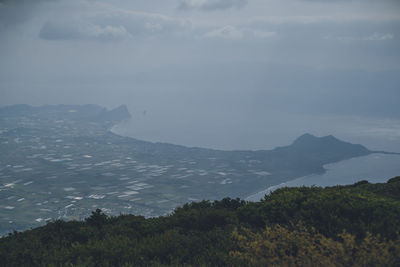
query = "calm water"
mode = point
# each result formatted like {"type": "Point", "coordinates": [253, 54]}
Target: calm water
{"type": "Point", "coordinates": [242, 131]}
{"type": "Point", "coordinates": [267, 130]}
{"type": "Point", "coordinates": [374, 168]}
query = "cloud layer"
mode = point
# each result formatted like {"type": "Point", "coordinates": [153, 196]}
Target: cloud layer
{"type": "Point", "coordinates": [209, 5]}
{"type": "Point", "coordinates": [373, 37]}
{"type": "Point", "coordinates": [107, 23]}
{"type": "Point", "coordinates": [237, 33]}
{"type": "Point", "coordinates": [68, 31]}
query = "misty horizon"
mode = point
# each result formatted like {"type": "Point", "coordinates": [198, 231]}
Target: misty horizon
{"type": "Point", "coordinates": [213, 73]}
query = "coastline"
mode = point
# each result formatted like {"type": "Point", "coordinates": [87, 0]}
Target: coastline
{"type": "Point", "coordinates": [375, 167]}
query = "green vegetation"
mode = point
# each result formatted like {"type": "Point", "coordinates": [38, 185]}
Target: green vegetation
{"type": "Point", "coordinates": [335, 226]}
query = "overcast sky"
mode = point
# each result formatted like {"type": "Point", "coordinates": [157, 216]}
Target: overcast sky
{"type": "Point", "coordinates": [204, 59]}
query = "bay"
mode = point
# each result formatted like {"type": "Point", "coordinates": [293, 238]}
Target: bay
{"type": "Point", "coordinates": [375, 168]}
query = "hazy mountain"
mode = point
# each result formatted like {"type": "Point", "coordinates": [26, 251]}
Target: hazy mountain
{"type": "Point", "coordinates": [114, 115]}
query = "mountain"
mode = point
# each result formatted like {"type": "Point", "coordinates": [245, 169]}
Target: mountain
{"type": "Point", "coordinates": [310, 150]}
{"type": "Point", "coordinates": [115, 115]}
{"type": "Point", "coordinates": [62, 161]}
{"type": "Point", "coordinates": [354, 225]}
{"type": "Point", "coordinates": [313, 144]}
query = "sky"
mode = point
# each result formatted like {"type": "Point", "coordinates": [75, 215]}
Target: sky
{"type": "Point", "coordinates": [212, 72]}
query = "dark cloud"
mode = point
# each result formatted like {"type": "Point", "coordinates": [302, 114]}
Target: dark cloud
{"type": "Point", "coordinates": [208, 5]}
{"type": "Point", "coordinates": [110, 25]}
{"type": "Point", "coordinates": [104, 22]}
{"type": "Point", "coordinates": [13, 12]}
{"type": "Point", "coordinates": [60, 31]}
{"type": "Point", "coordinates": [24, 1]}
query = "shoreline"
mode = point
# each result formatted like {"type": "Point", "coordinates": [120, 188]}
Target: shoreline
{"type": "Point", "coordinates": [370, 167]}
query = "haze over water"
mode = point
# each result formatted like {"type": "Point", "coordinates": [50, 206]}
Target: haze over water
{"type": "Point", "coordinates": [265, 131]}
{"type": "Point", "coordinates": [241, 131]}
{"type": "Point", "coordinates": [375, 168]}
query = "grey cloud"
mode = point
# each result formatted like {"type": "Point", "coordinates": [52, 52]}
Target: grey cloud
{"type": "Point", "coordinates": [108, 23]}
{"type": "Point", "coordinates": [334, 1]}
{"type": "Point", "coordinates": [236, 33]}
{"type": "Point", "coordinates": [138, 23]}
{"type": "Point", "coordinates": [23, 1]}
{"type": "Point", "coordinates": [318, 19]}
{"type": "Point", "coordinates": [17, 12]}
{"type": "Point", "coordinates": [207, 5]}
{"type": "Point", "coordinates": [227, 32]}
{"type": "Point", "coordinates": [373, 37]}
{"type": "Point", "coordinates": [327, 1]}
{"type": "Point", "coordinates": [59, 31]}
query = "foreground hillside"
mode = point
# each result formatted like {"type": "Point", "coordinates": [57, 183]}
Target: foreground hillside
{"type": "Point", "coordinates": [337, 226]}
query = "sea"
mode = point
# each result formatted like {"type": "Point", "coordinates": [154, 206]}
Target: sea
{"type": "Point", "coordinates": [273, 129]}
{"type": "Point", "coordinates": [375, 168]}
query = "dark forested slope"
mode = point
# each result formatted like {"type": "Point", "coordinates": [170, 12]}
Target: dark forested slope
{"type": "Point", "coordinates": [336, 226]}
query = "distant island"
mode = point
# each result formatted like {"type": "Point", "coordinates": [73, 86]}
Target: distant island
{"type": "Point", "coordinates": [63, 162]}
